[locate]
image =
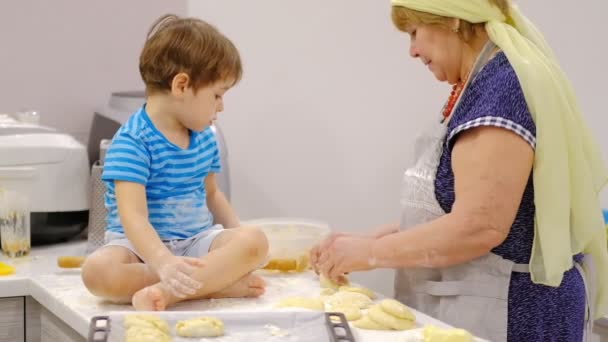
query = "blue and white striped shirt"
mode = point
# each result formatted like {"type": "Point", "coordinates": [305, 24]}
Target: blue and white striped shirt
{"type": "Point", "coordinates": [174, 177]}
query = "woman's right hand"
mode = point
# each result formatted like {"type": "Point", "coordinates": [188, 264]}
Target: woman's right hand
{"type": "Point", "coordinates": [176, 274]}
{"type": "Point", "coordinates": [316, 251]}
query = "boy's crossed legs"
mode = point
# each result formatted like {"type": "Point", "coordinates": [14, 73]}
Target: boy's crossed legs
{"type": "Point", "coordinates": [116, 273]}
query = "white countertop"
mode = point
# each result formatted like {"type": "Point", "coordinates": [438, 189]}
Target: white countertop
{"type": "Point", "coordinates": [62, 292]}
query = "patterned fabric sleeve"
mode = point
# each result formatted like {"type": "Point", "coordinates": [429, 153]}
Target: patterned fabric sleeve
{"type": "Point", "coordinates": [495, 99]}
{"type": "Point", "coordinates": [127, 160]}
{"type": "Point", "coordinates": [216, 165]}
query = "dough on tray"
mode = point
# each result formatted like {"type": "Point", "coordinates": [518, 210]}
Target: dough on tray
{"type": "Point", "coordinates": [330, 284]}
{"type": "Point", "coordinates": [146, 334]}
{"type": "Point", "coordinates": [366, 323]}
{"type": "Point", "coordinates": [434, 334]}
{"type": "Point", "coordinates": [200, 327]}
{"type": "Point", "coordinates": [351, 312]}
{"type": "Point", "coordinates": [349, 298]}
{"type": "Point", "coordinates": [389, 314]}
{"type": "Point", "coordinates": [397, 309]}
{"type": "Point", "coordinates": [371, 294]}
{"type": "Point", "coordinates": [302, 302]}
{"type": "Point", "coordinates": [379, 316]}
{"type": "Point", "coordinates": [146, 321]}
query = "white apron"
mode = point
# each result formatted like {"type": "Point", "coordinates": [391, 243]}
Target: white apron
{"type": "Point", "coordinates": [473, 295]}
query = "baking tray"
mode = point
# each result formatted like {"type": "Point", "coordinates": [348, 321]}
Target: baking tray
{"type": "Point", "coordinates": [278, 326]}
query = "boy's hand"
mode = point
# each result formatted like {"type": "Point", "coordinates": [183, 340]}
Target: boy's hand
{"type": "Point", "coordinates": [175, 273]}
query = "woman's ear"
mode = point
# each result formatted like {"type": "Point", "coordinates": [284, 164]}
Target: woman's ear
{"type": "Point", "coordinates": [455, 25]}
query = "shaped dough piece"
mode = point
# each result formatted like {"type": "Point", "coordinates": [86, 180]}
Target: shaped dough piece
{"type": "Point", "coordinates": [146, 321]}
{"type": "Point", "coordinates": [328, 283]}
{"type": "Point", "coordinates": [327, 292]}
{"type": "Point", "coordinates": [378, 315]}
{"type": "Point", "coordinates": [302, 302]}
{"type": "Point", "coordinates": [434, 334]}
{"type": "Point", "coordinates": [361, 290]}
{"type": "Point", "coordinates": [349, 298]}
{"type": "Point", "coordinates": [397, 309]}
{"type": "Point", "coordinates": [200, 327]}
{"type": "Point", "coordinates": [146, 334]}
{"type": "Point", "coordinates": [351, 312]}
{"type": "Point", "coordinates": [366, 323]}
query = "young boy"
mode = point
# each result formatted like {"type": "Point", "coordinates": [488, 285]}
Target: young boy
{"type": "Point", "coordinates": [165, 240]}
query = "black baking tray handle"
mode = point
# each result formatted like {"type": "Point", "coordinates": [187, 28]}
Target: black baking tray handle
{"type": "Point", "coordinates": [339, 330]}
{"type": "Point", "coordinates": [99, 330]}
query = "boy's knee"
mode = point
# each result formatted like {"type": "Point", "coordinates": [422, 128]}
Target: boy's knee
{"type": "Point", "coordinates": [93, 274]}
{"type": "Point", "coordinates": [255, 241]}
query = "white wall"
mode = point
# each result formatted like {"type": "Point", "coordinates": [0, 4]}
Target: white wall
{"type": "Point", "coordinates": [65, 57]}
{"type": "Point", "coordinates": [322, 124]}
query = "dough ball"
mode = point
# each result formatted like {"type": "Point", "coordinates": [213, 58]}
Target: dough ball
{"type": "Point", "coordinates": [146, 334]}
{"type": "Point", "coordinates": [349, 298]}
{"type": "Point", "coordinates": [379, 316]}
{"type": "Point", "coordinates": [435, 334]}
{"type": "Point", "coordinates": [328, 283]}
{"type": "Point", "coordinates": [302, 302]}
{"type": "Point", "coordinates": [351, 312]}
{"type": "Point", "coordinates": [361, 290]}
{"type": "Point", "coordinates": [146, 321]}
{"type": "Point", "coordinates": [200, 327]}
{"type": "Point", "coordinates": [327, 292]}
{"type": "Point", "coordinates": [397, 309]}
{"type": "Point", "coordinates": [366, 323]}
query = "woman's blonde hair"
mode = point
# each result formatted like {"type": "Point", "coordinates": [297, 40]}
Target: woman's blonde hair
{"type": "Point", "coordinates": [405, 17]}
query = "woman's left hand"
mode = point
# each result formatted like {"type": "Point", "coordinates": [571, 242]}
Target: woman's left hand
{"type": "Point", "coordinates": [346, 254]}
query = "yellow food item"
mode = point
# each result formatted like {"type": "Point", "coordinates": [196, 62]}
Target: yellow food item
{"type": "Point", "coordinates": [351, 312]}
{"type": "Point", "coordinates": [200, 327]}
{"type": "Point", "coordinates": [361, 290]}
{"type": "Point", "coordinates": [143, 334]}
{"type": "Point", "coordinates": [435, 334]}
{"type": "Point", "coordinates": [70, 261]}
{"type": "Point", "coordinates": [147, 321]}
{"type": "Point", "coordinates": [397, 309]}
{"type": "Point", "coordinates": [330, 284]}
{"type": "Point", "coordinates": [288, 265]}
{"type": "Point", "coordinates": [379, 316]}
{"type": "Point", "coordinates": [327, 292]}
{"type": "Point", "coordinates": [6, 269]}
{"type": "Point", "coordinates": [366, 323]}
{"type": "Point", "coordinates": [302, 302]}
{"type": "Point", "coordinates": [349, 298]}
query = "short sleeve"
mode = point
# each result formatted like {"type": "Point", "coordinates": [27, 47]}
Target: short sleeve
{"type": "Point", "coordinates": [495, 98]}
{"type": "Point", "coordinates": [216, 164]}
{"type": "Point", "coordinates": [127, 159]}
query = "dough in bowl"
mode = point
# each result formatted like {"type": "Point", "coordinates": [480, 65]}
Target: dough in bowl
{"type": "Point", "coordinates": [200, 327]}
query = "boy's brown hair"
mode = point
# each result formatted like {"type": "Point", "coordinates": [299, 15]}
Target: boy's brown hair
{"type": "Point", "coordinates": [189, 45]}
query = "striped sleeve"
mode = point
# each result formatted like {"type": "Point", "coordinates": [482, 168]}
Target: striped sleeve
{"type": "Point", "coordinates": [127, 159]}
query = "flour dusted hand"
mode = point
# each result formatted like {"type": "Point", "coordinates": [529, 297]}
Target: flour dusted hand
{"type": "Point", "coordinates": [176, 274]}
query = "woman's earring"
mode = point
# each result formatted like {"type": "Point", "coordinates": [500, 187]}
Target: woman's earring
{"type": "Point", "coordinates": [456, 30]}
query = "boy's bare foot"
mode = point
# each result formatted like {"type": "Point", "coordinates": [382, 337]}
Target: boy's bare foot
{"type": "Point", "coordinates": [151, 298]}
{"type": "Point", "coordinates": [248, 286]}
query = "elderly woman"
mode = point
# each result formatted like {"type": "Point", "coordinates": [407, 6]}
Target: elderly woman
{"type": "Point", "coordinates": [500, 213]}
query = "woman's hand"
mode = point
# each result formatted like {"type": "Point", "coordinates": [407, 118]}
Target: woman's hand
{"type": "Point", "coordinates": [342, 254]}
{"type": "Point", "coordinates": [317, 250]}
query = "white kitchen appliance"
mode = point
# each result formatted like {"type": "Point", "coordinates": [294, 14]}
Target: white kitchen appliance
{"type": "Point", "coordinates": [52, 169]}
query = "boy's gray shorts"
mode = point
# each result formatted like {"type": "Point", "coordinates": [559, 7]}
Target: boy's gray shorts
{"type": "Point", "coordinates": [195, 246]}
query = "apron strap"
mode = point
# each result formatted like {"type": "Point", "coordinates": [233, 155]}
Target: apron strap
{"type": "Point", "coordinates": [460, 288]}
{"type": "Point", "coordinates": [521, 268]}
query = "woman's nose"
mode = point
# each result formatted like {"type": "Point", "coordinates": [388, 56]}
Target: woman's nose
{"type": "Point", "coordinates": [413, 50]}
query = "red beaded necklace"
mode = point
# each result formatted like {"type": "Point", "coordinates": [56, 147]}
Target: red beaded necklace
{"type": "Point", "coordinates": [454, 95]}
